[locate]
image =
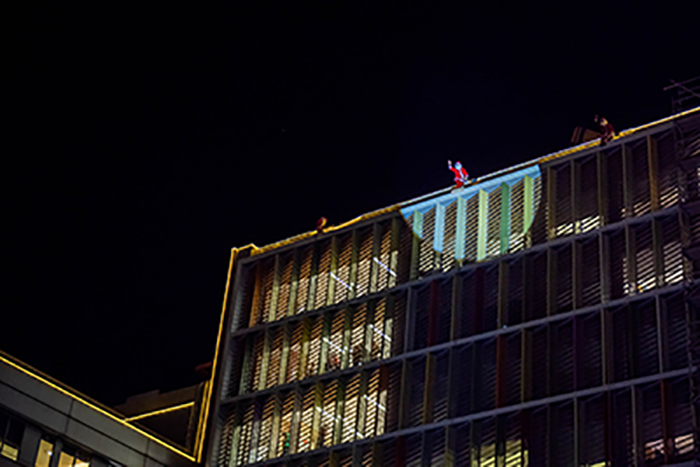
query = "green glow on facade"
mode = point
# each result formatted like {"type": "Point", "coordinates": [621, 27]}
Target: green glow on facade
{"type": "Point", "coordinates": [505, 217]}
{"type": "Point", "coordinates": [482, 226]}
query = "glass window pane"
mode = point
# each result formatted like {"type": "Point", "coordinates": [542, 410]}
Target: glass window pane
{"type": "Point", "coordinates": [15, 432]}
{"type": "Point", "coordinates": [9, 452]}
{"type": "Point", "coordinates": [43, 457]}
{"type": "Point", "coordinates": [66, 460]}
{"type": "Point", "coordinates": [3, 425]}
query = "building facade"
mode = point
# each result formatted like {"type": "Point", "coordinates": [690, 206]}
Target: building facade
{"type": "Point", "coordinates": [543, 315]}
{"type": "Point", "coordinates": [44, 423]}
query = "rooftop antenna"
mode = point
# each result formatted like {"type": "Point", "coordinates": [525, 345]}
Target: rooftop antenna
{"type": "Point", "coordinates": [687, 94]}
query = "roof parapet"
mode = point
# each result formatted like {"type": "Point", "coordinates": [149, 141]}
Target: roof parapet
{"type": "Point", "coordinates": [478, 180]}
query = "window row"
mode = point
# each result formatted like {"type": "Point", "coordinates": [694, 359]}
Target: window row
{"type": "Point", "coordinates": [649, 424]}
{"type": "Point", "coordinates": [620, 182]}
{"type": "Point", "coordinates": [577, 196]}
{"type": "Point", "coordinates": [335, 340]}
{"type": "Point", "coordinates": [632, 259]}
{"type": "Point", "coordinates": [638, 339]}
{"type": "Point", "coordinates": [643, 338]}
{"type": "Point", "coordinates": [23, 443]}
{"type": "Point", "coordinates": [330, 271]}
{"type": "Point", "coordinates": [570, 197]}
{"type": "Point", "coordinates": [312, 417]}
{"type": "Point", "coordinates": [586, 272]}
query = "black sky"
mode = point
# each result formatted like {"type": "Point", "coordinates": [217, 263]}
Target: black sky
{"type": "Point", "coordinates": [145, 143]}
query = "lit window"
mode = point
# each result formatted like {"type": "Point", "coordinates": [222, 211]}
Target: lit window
{"type": "Point", "coordinates": [9, 452]}
{"type": "Point", "coordinates": [43, 458]}
{"type": "Point", "coordinates": [70, 457]}
{"type": "Point", "coordinates": [66, 460]}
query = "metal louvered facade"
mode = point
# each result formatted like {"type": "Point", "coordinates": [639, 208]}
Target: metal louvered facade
{"type": "Point", "coordinates": [545, 315]}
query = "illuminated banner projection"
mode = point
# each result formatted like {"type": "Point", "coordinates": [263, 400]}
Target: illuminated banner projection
{"type": "Point", "coordinates": [479, 221]}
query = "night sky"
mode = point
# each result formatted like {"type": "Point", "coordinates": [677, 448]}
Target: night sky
{"type": "Point", "coordinates": [144, 143]}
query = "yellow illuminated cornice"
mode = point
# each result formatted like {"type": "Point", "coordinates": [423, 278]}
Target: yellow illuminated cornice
{"type": "Point", "coordinates": [209, 387]}
{"type": "Point", "coordinates": [588, 145]}
{"type": "Point", "coordinates": [160, 411]}
{"type": "Point", "coordinates": [333, 228]}
{"type": "Point", "coordinates": [27, 370]}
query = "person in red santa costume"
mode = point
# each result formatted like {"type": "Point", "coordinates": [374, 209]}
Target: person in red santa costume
{"type": "Point", "coordinates": [461, 175]}
{"type": "Point", "coordinates": [606, 129]}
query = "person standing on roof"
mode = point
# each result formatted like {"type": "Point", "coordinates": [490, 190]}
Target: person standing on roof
{"type": "Point", "coordinates": [461, 175]}
{"type": "Point", "coordinates": [606, 129]}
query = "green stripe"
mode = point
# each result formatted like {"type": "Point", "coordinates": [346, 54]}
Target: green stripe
{"type": "Point", "coordinates": [505, 216]}
{"type": "Point", "coordinates": [483, 218]}
{"type": "Point", "coordinates": [528, 207]}
{"type": "Point", "coordinates": [460, 233]}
